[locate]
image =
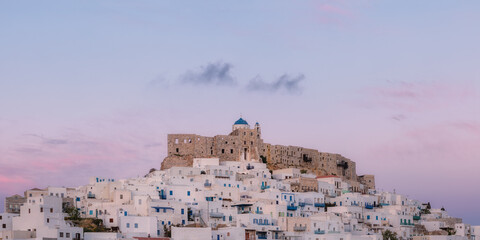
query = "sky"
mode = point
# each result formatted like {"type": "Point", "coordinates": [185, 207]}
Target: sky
{"type": "Point", "coordinates": [92, 88]}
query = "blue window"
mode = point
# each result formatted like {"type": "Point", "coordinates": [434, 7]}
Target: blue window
{"type": "Point", "coordinates": [230, 218]}
{"type": "Point", "coordinates": [91, 212]}
{"type": "Point", "coordinates": [163, 222]}
{"type": "Point", "coordinates": [368, 217]}
{"type": "Point", "coordinates": [168, 222]}
{"type": "Point", "coordinates": [171, 193]}
{"type": "Point", "coordinates": [238, 185]}
{"type": "Point", "coordinates": [188, 193]}
{"type": "Point", "coordinates": [183, 222]}
{"type": "Point", "coordinates": [128, 225]}
{"type": "Point", "coordinates": [183, 211]}
{"type": "Point", "coordinates": [125, 213]}
{"type": "Point", "coordinates": [376, 218]}
{"type": "Point", "coordinates": [78, 199]}
{"type": "Point", "coordinates": [224, 184]}
{"type": "Point", "coordinates": [290, 198]}
{"type": "Point", "coordinates": [229, 185]}
{"type": "Point", "coordinates": [136, 225]}
{"type": "Point", "coordinates": [223, 218]}
{"type": "Point", "coordinates": [340, 203]}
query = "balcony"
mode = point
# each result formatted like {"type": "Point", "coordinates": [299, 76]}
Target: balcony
{"type": "Point", "coordinates": [416, 218]}
{"type": "Point", "coordinates": [262, 236]}
{"type": "Point", "coordinates": [207, 184]}
{"type": "Point", "coordinates": [319, 231]}
{"type": "Point", "coordinates": [301, 204]}
{"type": "Point", "coordinates": [299, 228]}
{"type": "Point", "coordinates": [292, 208]}
{"type": "Point", "coordinates": [265, 187]}
{"type": "Point", "coordinates": [342, 164]}
{"type": "Point", "coordinates": [216, 215]}
{"type": "Point", "coordinates": [368, 206]}
{"type": "Point", "coordinates": [306, 158]}
{"type": "Point", "coordinates": [90, 195]}
{"type": "Point", "coordinates": [319, 204]}
{"type": "Point", "coordinates": [259, 212]}
{"type": "Point", "coordinates": [250, 167]}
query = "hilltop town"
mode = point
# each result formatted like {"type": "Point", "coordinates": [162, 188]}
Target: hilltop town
{"type": "Point", "coordinates": [230, 187]}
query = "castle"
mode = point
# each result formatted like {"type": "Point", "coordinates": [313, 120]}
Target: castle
{"type": "Point", "coordinates": [246, 144]}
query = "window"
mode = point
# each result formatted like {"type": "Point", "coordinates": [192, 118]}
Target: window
{"type": "Point", "coordinates": [4, 225]}
{"type": "Point", "coordinates": [121, 196]}
{"type": "Point", "coordinates": [136, 225]}
{"type": "Point", "coordinates": [67, 235]}
{"type": "Point", "coordinates": [188, 193]}
{"type": "Point", "coordinates": [139, 201]}
{"type": "Point", "coordinates": [176, 150]}
{"type": "Point", "coordinates": [183, 211]}
{"type": "Point", "coordinates": [171, 193]}
{"type": "Point", "coordinates": [61, 234]}
{"type": "Point", "coordinates": [48, 220]}
{"type": "Point", "coordinates": [29, 210]}
{"type": "Point", "coordinates": [223, 150]}
{"type": "Point", "coordinates": [128, 225]}
{"type": "Point", "coordinates": [111, 220]}
{"type": "Point", "coordinates": [41, 209]}
{"type": "Point", "coordinates": [231, 150]}
{"type": "Point", "coordinates": [51, 210]}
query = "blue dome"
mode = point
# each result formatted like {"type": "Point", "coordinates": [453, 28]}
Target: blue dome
{"type": "Point", "coordinates": [241, 122]}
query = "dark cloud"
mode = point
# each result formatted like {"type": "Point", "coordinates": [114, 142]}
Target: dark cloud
{"type": "Point", "coordinates": [285, 83]}
{"type": "Point", "coordinates": [212, 74]}
{"type": "Point", "coordinates": [399, 117]}
{"type": "Point", "coordinates": [49, 141]}
{"type": "Point", "coordinates": [28, 150]}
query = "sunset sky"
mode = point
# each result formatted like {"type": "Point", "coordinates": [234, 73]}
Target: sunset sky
{"type": "Point", "coordinates": [92, 88]}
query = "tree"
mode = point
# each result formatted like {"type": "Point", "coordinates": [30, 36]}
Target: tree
{"type": "Point", "coordinates": [167, 231]}
{"type": "Point", "coordinates": [73, 213]}
{"type": "Point", "coordinates": [303, 171]}
{"type": "Point", "coordinates": [389, 235]}
{"type": "Point", "coordinates": [264, 159]}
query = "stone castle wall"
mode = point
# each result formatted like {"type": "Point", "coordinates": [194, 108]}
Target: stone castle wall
{"type": "Point", "coordinates": [247, 144]}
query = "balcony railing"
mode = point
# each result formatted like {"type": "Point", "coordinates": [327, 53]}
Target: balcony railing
{"type": "Point", "coordinates": [216, 215]}
{"type": "Point", "coordinates": [319, 231]}
{"type": "Point", "coordinates": [207, 184]}
{"type": "Point", "coordinates": [299, 228]}
{"type": "Point", "coordinates": [259, 212]}
{"type": "Point", "coordinates": [301, 204]}
{"type": "Point", "coordinates": [261, 236]}
{"type": "Point", "coordinates": [292, 208]}
{"type": "Point", "coordinates": [368, 206]}
{"type": "Point", "coordinates": [90, 195]}
{"type": "Point", "coordinates": [416, 218]}
{"type": "Point", "coordinates": [163, 196]}
{"type": "Point", "coordinates": [319, 204]}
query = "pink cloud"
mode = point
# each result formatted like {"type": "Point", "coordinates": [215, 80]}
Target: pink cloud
{"type": "Point", "coordinates": [416, 96]}
{"type": "Point", "coordinates": [331, 9]}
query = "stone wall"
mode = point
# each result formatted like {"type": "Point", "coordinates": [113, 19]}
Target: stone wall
{"type": "Point", "coordinates": [246, 144]}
